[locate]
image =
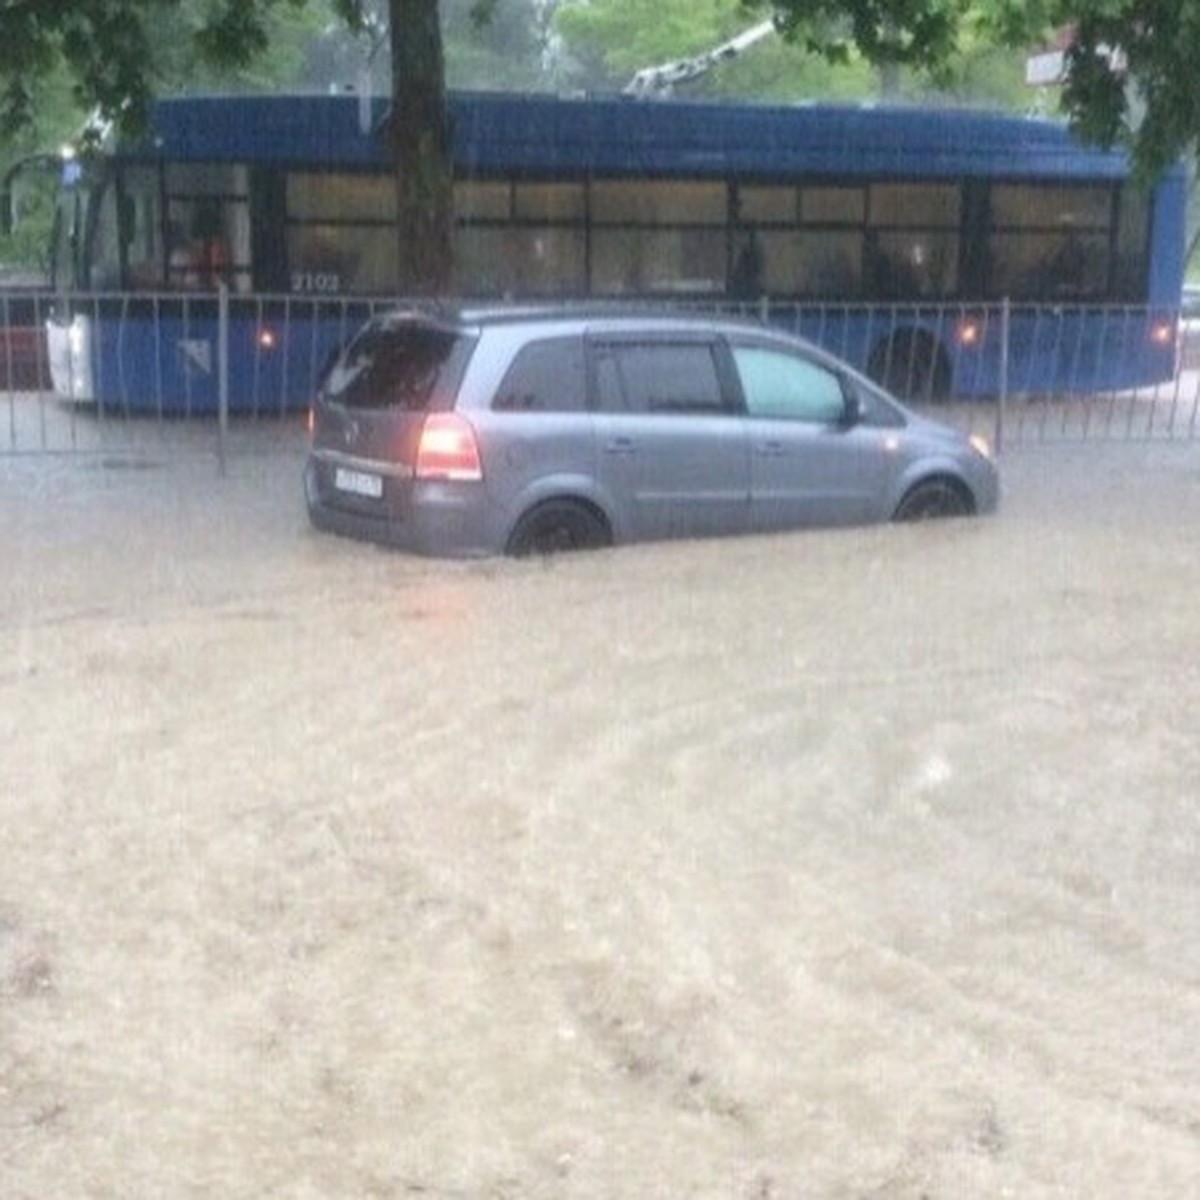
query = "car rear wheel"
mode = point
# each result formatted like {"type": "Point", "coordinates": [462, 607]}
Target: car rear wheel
{"type": "Point", "coordinates": [559, 525]}
{"type": "Point", "coordinates": [932, 499]}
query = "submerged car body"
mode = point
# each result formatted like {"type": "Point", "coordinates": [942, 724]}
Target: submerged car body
{"type": "Point", "coordinates": [502, 430]}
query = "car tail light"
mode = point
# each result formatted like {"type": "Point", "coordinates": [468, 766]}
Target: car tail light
{"type": "Point", "coordinates": [448, 450]}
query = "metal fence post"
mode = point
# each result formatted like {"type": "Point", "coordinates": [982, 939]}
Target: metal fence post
{"type": "Point", "coordinates": [222, 372]}
{"type": "Point", "coordinates": [1002, 398]}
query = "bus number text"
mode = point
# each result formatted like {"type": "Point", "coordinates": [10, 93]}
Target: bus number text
{"type": "Point", "coordinates": [325, 283]}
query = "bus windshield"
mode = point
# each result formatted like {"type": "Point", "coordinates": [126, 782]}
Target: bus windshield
{"type": "Point", "coordinates": [65, 236]}
{"type": "Point", "coordinates": [112, 231]}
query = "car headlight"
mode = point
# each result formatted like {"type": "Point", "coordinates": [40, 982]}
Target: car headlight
{"type": "Point", "coordinates": [980, 445]}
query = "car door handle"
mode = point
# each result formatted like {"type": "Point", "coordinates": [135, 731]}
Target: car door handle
{"type": "Point", "coordinates": [772, 447]}
{"type": "Point", "coordinates": [621, 445]}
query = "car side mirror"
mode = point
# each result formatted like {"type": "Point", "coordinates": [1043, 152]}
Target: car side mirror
{"type": "Point", "coordinates": [852, 412]}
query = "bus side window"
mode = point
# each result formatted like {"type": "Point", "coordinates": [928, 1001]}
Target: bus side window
{"type": "Point", "coordinates": [104, 272]}
{"type": "Point", "coordinates": [210, 245]}
{"type": "Point", "coordinates": [200, 257]}
{"type": "Point", "coordinates": [139, 239]}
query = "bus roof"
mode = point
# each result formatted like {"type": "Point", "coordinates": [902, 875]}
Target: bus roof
{"type": "Point", "coordinates": [533, 134]}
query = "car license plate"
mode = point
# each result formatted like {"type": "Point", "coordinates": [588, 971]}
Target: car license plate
{"type": "Point", "coordinates": [359, 483]}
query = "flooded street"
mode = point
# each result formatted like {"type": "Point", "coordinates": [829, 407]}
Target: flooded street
{"type": "Point", "coordinates": [850, 865]}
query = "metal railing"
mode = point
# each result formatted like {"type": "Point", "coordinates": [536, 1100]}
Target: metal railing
{"type": "Point", "coordinates": [127, 368]}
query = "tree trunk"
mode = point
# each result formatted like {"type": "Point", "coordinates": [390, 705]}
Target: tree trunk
{"type": "Point", "coordinates": [419, 133]}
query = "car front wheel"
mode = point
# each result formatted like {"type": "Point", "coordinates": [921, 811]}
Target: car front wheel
{"type": "Point", "coordinates": [932, 499]}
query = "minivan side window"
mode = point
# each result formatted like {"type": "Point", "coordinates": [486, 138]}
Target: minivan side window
{"type": "Point", "coordinates": [658, 377]}
{"type": "Point", "coordinates": [545, 376]}
{"type": "Point", "coordinates": [788, 387]}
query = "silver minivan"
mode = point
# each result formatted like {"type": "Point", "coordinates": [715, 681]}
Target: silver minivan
{"type": "Point", "coordinates": [506, 430]}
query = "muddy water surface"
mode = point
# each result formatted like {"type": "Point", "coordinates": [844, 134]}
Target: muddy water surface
{"type": "Point", "coordinates": [856, 864]}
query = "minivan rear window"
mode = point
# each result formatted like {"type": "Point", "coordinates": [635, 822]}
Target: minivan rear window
{"type": "Point", "coordinates": [413, 367]}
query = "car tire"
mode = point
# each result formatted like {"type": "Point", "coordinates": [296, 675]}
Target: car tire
{"type": "Point", "coordinates": [933, 499]}
{"type": "Point", "coordinates": [558, 525]}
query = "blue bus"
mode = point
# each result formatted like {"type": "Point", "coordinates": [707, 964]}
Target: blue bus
{"type": "Point", "coordinates": [891, 235]}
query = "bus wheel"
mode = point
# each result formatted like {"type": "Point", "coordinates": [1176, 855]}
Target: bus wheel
{"type": "Point", "coordinates": [911, 365]}
{"type": "Point", "coordinates": [558, 525]}
{"type": "Point", "coordinates": [934, 498]}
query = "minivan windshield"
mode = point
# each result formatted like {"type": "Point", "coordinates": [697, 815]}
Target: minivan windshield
{"type": "Point", "coordinates": [414, 367]}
